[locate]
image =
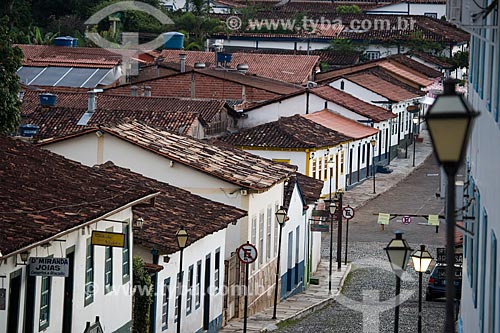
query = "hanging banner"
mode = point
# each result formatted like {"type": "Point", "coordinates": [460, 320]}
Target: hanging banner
{"type": "Point", "coordinates": [433, 220]}
{"type": "Point", "coordinates": [105, 238]}
{"type": "Point", "coordinates": [45, 266]}
{"type": "Point", "coordinates": [383, 218]}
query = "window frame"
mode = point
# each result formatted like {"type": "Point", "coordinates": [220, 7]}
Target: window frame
{"type": "Point", "coordinates": [217, 265]}
{"type": "Point", "coordinates": [126, 254]}
{"type": "Point", "coordinates": [165, 304]}
{"type": "Point", "coordinates": [89, 273]}
{"type": "Point", "coordinates": [189, 293]}
{"type": "Point", "coordinates": [45, 307]}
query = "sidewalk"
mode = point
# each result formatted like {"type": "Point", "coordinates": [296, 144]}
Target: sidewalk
{"type": "Point", "coordinates": [296, 306]}
{"type": "Point", "coordinates": [363, 192]}
{"type": "Point", "coordinates": [316, 296]}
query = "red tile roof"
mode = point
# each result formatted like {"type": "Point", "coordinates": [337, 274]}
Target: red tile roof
{"type": "Point", "coordinates": [41, 56]}
{"type": "Point", "coordinates": [382, 87]}
{"type": "Point", "coordinates": [297, 69]}
{"type": "Point", "coordinates": [60, 122]}
{"type": "Point", "coordinates": [309, 187]}
{"type": "Point", "coordinates": [229, 164]}
{"type": "Point", "coordinates": [207, 108]}
{"type": "Point", "coordinates": [407, 75]}
{"type": "Point", "coordinates": [43, 194]}
{"type": "Point", "coordinates": [405, 60]}
{"type": "Point", "coordinates": [352, 103]}
{"type": "Point", "coordinates": [431, 29]}
{"type": "Point", "coordinates": [293, 132]}
{"type": "Point", "coordinates": [431, 59]}
{"type": "Point", "coordinates": [174, 207]}
{"type": "Point", "coordinates": [341, 124]}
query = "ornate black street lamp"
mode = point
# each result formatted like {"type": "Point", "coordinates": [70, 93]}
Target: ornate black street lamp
{"type": "Point", "coordinates": [421, 261]}
{"type": "Point", "coordinates": [182, 237]}
{"type": "Point", "coordinates": [281, 218]}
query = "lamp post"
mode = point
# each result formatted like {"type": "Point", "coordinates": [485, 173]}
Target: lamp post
{"type": "Point", "coordinates": [373, 142]}
{"type": "Point", "coordinates": [415, 122]}
{"type": "Point", "coordinates": [182, 237]}
{"type": "Point", "coordinates": [421, 261]}
{"type": "Point", "coordinates": [338, 206]}
{"type": "Point", "coordinates": [331, 207]}
{"type": "Point", "coordinates": [281, 218]}
{"type": "Point", "coordinates": [449, 121]}
{"type": "Point", "coordinates": [398, 252]}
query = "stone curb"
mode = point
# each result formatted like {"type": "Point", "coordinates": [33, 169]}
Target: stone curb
{"type": "Point", "coordinates": [314, 307]}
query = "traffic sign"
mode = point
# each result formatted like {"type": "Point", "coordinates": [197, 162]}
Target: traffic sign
{"type": "Point", "coordinates": [247, 253]}
{"type": "Point", "coordinates": [406, 219]}
{"type": "Point", "coordinates": [348, 212]}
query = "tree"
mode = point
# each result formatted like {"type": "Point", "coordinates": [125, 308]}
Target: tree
{"type": "Point", "coordinates": [10, 62]}
{"type": "Point", "coordinates": [346, 9]}
{"type": "Point", "coordinates": [142, 297]}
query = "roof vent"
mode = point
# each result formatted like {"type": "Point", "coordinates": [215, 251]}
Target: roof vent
{"type": "Point", "coordinates": [199, 65]}
{"type": "Point", "coordinates": [47, 99]}
{"type": "Point", "coordinates": [242, 68]}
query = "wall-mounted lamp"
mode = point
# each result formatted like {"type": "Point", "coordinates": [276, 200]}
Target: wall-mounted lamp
{"type": "Point", "coordinates": [166, 259]}
{"type": "Point", "coordinates": [312, 156]}
{"type": "Point", "coordinates": [24, 258]}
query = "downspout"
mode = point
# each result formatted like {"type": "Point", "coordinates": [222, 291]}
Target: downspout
{"type": "Point", "coordinates": [307, 100]}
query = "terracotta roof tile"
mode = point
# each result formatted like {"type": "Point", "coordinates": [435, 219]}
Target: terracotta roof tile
{"type": "Point", "coordinates": [333, 58]}
{"type": "Point", "coordinates": [174, 207]}
{"type": "Point", "coordinates": [207, 108]}
{"type": "Point", "coordinates": [391, 67]}
{"type": "Point", "coordinates": [431, 59]}
{"type": "Point", "coordinates": [296, 69]}
{"type": "Point", "coordinates": [309, 187]}
{"type": "Point", "coordinates": [41, 56]}
{"type": "Point", "coordinates": [406, 60]}
{"type": "Point", "coordinates": [293, 132]}
{"type": "Point", "coordinates": [341, 124]}
{"type": "Point", "coordinates": [43, 194]}
{"type": "Point", "coordinates": [382, 87]}
{"type": "Point", "coordinates": [230, 164]}
{"type": "Point", "coordinates": [352, 103]}
{"type": "Point", "coordinates": [60, 122]}
{"type": "Point", "coordinates": [431, 29]}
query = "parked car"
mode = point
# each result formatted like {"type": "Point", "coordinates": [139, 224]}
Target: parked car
{"type": "Point", "coordinates": [436, 286]}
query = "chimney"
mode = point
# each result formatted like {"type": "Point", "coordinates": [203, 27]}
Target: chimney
{"type": "Point", "coordinates": [182, 58]}
{"type": "Point", "coordinates": [147, 91]}
{"type": "Point", "coordinates": [133, 91]}
{"type": "Point", "coordinates": [92, 101]}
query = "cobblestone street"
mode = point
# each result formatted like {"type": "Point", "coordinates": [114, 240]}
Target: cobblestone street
{"type": "Point", "coordinates": [371, 276]}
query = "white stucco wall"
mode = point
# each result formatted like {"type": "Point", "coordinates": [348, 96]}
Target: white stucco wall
{"type": "Point", "coordinates": [197, 251]}
{"type": "Point", "coordinates": [120, 299]}
{"type": "Point", "coordinates": [414, 8]}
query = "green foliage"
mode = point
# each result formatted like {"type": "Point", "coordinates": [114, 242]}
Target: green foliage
{"type": "Point", "coordinates": [35, 36]}
{"type": "Point", "coordinates": [345, 46]}
{"type": "Point", "coordinates": [348, 9]}
{"type": "Point", "coordinates": [199, 27]}
{"type": "Point", "coordinates": [460, 59]}
{"type": "Point", "coordinates": [10, 61]}
{"type": "Point", "coordinates": [142, 300]}
{"type": "Point", "coordinates": [416, 42]}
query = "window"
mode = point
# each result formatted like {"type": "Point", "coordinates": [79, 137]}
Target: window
{"type": "Point", "coordinates": [314, 175]}
{"type": "Point", "coordinates": [433, 15]}
{"type": "Point", "coordinates": [269, 228]}
{"type": "Point", "coordinates": [254, 236]}
{"type": "Point", "coordinates": [297, 249]}
{"type": "Point", "coordinates": [177, 295]}
{"type": "Point", "coordinates": [126, 254]}
{"type": "Point", "coordinates": [341, 163]}
{"type": "Point", "coordinates": [484, 243]}
{"type": "Point", "coordinates": [45, 302]}
{"type": "Point", "coordinates": [261, 237]}
{"type": "Point", "coordinates": [217, 270]}
{"type": "Point", "coordinates": [165, 303]}
{"type": "Point", "coordinates": [372, 55]}
{"type": "Point", "coordinates": [89, 273]}
{"type": "Point", "coordinates": [325, 168]}
{"type": "Point", "coordinates": [108, 269]}
{"type": "Point", "coordinates": [189, 296]}
{"type": "Point", "coordinates": [493, 283]}
{"type": "Point", "coordinates": [198, 285]}
{"type": "Point", "coordinates": [363, 154]}
{"type": "Point", "coordinates": [276, 225]}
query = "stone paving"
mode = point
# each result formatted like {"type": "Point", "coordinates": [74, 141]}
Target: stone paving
{"type": "Point", "coordinates": [316, 296]}
{"type": "Point", "coordinates": [296, 306]}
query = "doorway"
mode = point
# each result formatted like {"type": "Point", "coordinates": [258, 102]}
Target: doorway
{"type": "Point", "coordinates": [290, 262]}
{"type": "Point", "coordinates": [14, 297]}
{"type": "Point", "coordinates": [68, 294]}
{"type": "Point", "coordinates": [206, 296]}
{"type": "Point", "coordinates": [29, 312]}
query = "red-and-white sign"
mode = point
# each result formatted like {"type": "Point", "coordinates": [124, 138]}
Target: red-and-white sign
{"type": "Point", "coordinates": [247, 253]}
{"type": "Point", "coordinates": [348, 212]}
{"type": "Point", "coordinates": [406, 219]}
